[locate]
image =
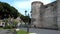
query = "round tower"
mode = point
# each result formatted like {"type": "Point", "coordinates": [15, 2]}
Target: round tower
{"type": "Point", "coordinates": [36, 7]}
{"type": "Point", "coordinates": [58, 13]}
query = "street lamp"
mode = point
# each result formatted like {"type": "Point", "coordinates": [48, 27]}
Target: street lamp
{"type": "Point", "coordinates": [25, 12]}
{"type": "Point", "coordinates": [28, 25]}
{"type": "Point", "coordinates": [25, 15]}
{"type": "Point", "coordinates": [28, 22]}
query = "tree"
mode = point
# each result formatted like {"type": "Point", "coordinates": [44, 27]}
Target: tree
{"type": "Point", "coordinates": [25, 19]}
{"type": "Point", "coordinates": [6, 10]}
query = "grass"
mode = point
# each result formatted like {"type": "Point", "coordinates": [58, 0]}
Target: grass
{"type": "Point", "coordinates": [21, 32]}
{"type": "Point", "coordinates": [1, 28]}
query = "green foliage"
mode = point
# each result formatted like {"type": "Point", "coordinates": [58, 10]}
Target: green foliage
{"type": "Point", "coordinates": [8, 27]}
{"type": "Point", "coordinates": [25, 19]}
{"type": "Point", "coordinates": [21, 32]}
{"type": "Point", "coordinates": [1, 28]}
{"type": "Point", "coordinates": [15, 24]}
{"type": "Point", "coordinates": [6, 24]}
{"type": "Point", "coordinates": [6, 10]}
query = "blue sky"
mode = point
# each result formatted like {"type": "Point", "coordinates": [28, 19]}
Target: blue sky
{"type": "Point", "coordinates": [22, 5]}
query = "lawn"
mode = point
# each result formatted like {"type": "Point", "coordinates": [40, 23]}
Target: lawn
{"type": "Point", "coordinates": [1, 28]}
{"type": "Point", "coordinates": [21, 32]}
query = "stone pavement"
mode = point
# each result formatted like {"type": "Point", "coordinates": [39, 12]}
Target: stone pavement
{"type": "Point", "coordinates": [41, 31]}
{"type": "Point", "coordinates": [32, 31]}
{"type": "Point", "coordinates": [5, 31]}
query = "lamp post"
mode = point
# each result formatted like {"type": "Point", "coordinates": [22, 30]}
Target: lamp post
{"type": "Point", "coordinates": [25, 15]}
{"type": "Point", "coordinates": [28, 25]}
{"type": "Point", "coordinates": [25, 12]}
{"type": "Point", "coordinates": [28, 22]}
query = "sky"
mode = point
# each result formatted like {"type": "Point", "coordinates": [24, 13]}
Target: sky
{"type": "Point", "coordinates": [22, 5]}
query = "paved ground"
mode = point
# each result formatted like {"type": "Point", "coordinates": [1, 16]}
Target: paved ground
{"type": "Point", "coordinates": [41, 31]}
{"type": "Point", "coordinates": [32, 30]}
{"type": "Point", "coordinates": [6, 31]}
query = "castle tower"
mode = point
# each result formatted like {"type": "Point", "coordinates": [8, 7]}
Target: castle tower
{"type": "Point", "coordinates": [58, 13]}
{"type": "Point", "coordinates": [36, 7]}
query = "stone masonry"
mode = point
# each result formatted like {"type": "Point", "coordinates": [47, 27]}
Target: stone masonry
{"type": "Point", "coordinates": [46, 16]}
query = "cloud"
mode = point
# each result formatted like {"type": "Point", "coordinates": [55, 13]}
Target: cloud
{"type": "Point", "coordinates": [26, 4]}
{"type": "Point", "coordinates": [23, 5]}
{"type": "Point", "coordinates": [44, 1]}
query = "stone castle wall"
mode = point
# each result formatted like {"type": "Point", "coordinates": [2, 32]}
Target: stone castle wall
{"type": "Point", "coordinates": [46, 16]}
{"type": "Point", "coordinates": [36, 8]}
{"type": "Point", "coordinates": [58, 13]}
{"type": "Point", "coordinates": [50, 15]}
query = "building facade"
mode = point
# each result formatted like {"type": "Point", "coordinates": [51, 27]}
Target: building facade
{"type": "Point", "coordinates": [46, 16]}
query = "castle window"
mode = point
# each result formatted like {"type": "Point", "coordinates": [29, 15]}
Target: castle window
{"type": "Point", "coordinates": [52, 5]}
{"type": "Point", "coordinates": [46, 6]}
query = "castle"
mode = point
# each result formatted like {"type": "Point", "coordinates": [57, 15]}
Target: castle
{"type": "Point", "coordinates": [46, 16]}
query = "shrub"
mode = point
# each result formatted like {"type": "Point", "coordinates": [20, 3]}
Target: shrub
{"type": "Point", "coordinates": [8, 27]}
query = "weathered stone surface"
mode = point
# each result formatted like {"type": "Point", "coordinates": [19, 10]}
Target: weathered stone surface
{"type": "Point", "coordinates": [47, 16]}
{"type": "Point", "coordinates": [58, 13]}
{"type": "Point", "coordinates": [36, 13]}
{"type": "Point", "coordinates": [6, 31]}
